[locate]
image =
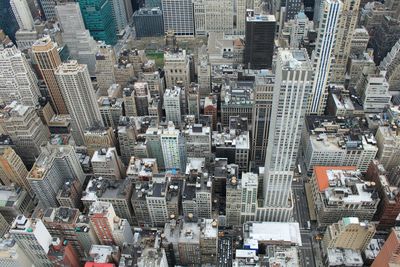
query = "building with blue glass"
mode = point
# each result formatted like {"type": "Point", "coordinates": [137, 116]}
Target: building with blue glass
{"type": "Point", "coordinates": [99, 20]}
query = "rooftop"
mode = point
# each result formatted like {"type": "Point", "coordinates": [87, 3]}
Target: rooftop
{"type": "Point", "coordinates": [101, 254]}
{"type": "Point", "coordinates": [344, 257]}
{"type": "Point", "coordinates": [272, 232]}
{"type": "Point", "coordinates": [106, 189]}
{"type": "Point", "coordinates": [231, 138]}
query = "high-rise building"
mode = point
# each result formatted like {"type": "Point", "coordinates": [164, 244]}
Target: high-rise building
{"type": "Point", "coordinates": [388, 142]}
{"type": "Point", "coordinates": [99, 20]}
{"type": "Point", "coordinates": [249, 184]}
{"type": "Point", "coordinates": [389, 254]}
{"type": "Point", "coordinates": [17, 79]}
{"type": "Point", "coordinates": [240, 13]}
{"type": "Point", "coordinates": [12, 169]}
{"type": "Point", "coordinates": [75, 84]}
{"type": "Point", "coordinates": [33, 238]}
{"type": "Point", "coordinates": [22, 14]}
{"type": "Point", "coordinates": [53, 166]}
{"type": "Point", "coordinates": [323, 55]}
{"type": "Point", "coordinates": [26, 129]}
{"type": "Point", "coordinates": [102, 216]}
{"type": "Point", "coordinates": [299, 28]}
{"type": "Point", "coordinates": [293, 7]}
{"type": "Point", "coordinates": [48, 59]}
{"type": "Point", "coordinates": [260, 36]}
{"type": "Point", "coordinates": [391, 65]}
{"type": "Point", "coordinates": [80, 43]}
{"type": "Point", "coordinates": [349, 233]}
{"type": "Point", "coordinates": [11, 254]}
{"type": "Point", "coordinates": [262, 108]}
{"type": "Point", "coordinates": [291, 92]}
{"type": "Point", "coordinates": [107, 164]}
{"type": "Point", "coordinates": [7, 20]}
{"type": "Point", "coordinates": [373, 89]}
{"type": "Point", "coordinates": [198, 141]}
{"type": "Point", "coordinates": [148, 22]}
{"type": "Point", "coordinates": [233, 201]}
{"type": "Point", "coordinates": [173, 148]}
{"type": "Point", "coordinates": [177, 68]}
{"type": "Point", "coordinates": [211, 16]}
{"type": "Point", "coordinates": [16, 201]}
{"type": "Point", "coordinates": [178, 17]}
{"type": "Point", "coordinates": [119, 14]}
{"type": "Point", "coordinates": [172, 105]}
{"type": "Point", "coordinates": [105, 61]}
{"type": "Point", "coordinates": [345, 31]}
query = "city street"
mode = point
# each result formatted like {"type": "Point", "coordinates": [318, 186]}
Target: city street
{"type": "Point", "coordinates": [225, 252]}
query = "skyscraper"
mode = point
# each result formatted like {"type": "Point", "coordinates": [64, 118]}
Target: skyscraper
{"type": "Point", "coordinates": [22, 14]}
{"type": "Point", "coordinates": [323, 55]}
{"type": "Point", "coordinates": [48, 59]}
{"type": "Point", "coordinates": [173, 148]}
{"type": "Point", "coordinates": [81, 45]}
{"type": "Point", "coordinates": [172, 105]}
{"type": "Point", "coordinates": [119, 14]}
{"type": "Point", "coordinates": [105, 61]}
{"type": "Point", "coordinates": [292, 8]}
{"type": "Point", "coordinates": [260, 35]}
{"type": "Point", "coordinates": [17, 80]}
{"type": "Point", "coordinates": [79, 97]}
{"type": "Point", "coordinates": [291, 92]}
{"type": "Point", "coordinates": [99, 20]}
{"type": "Point", "coordinates": [12, 169]}
{"type": "Point", "coordinates": [345, 30]}
{"type": "Point", "coordinates": [178, 16]}
{"type": "Point", "coordinates": [7, 20]}
{"type": "Point", "coordinates": [26, 130]}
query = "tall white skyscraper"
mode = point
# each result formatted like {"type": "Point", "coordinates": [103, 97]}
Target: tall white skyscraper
{"type": "Point", "coordinates": [173, 148]}
{"type": "Point", "coordinates": [22, 13]}
{"type": "Point", "coordinates": [80, 99]}
{"type": "Point", "coordinates": [17, 80]}
{"type": "Point", "coordinates": [81, 45]}
{"type": "Point", "coordinates": [178, 16]}
{"type": "Point", "coordinates": [172, 104]}
{"type": "Point", "coordinates": [291, 92]}
{"type": "Point", "coordinates": [323, 55]}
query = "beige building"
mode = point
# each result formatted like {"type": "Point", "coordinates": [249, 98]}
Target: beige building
{"type": "Point", "coordinates": [176, 67]}
{"type": "Point", "coordinates": [46, 55]}
{"type": "Point", "coordinates": [349, 233]}
{"type": "Point", "coordinates": [99, 137]}
{"type": "Point", "coordinates": [388, 141]}
{"type": "Point", "coordinates": [107, 164]}
{"type": "Point", "coordinates": [12, 169]}
{"type": "Point", "coordinates": [105, 61]}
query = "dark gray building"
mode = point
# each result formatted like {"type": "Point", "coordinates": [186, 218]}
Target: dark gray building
{"type": "Point", "coordinates": [292, 8]}
{"type": "Point", "coordinates": [259, 42]}
{"type": "Point", "coordinates": [148, 22]}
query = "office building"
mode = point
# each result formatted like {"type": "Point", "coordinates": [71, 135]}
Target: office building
{"type": "Point", "coordinates": [329, 141]}
{"type": "Point", "coordinates": [33, 238]}
{"type": "Point", "coordinates": [340, 192]}
{"type": "Point", "coordinates": [22, 14]}
{"type": "Point", "coordinates": [389, 254]}
{"type": "Point", "coordinates": [323, 55]}
{"type": "Point", "coordinates": [70, 194]}
{"type": "Point", "coordinates": [102, 216]}
{"type": "Point", "coordinates": [122, 232]}
{"type": "Point", "coordinates": [62, 253]}
{"type": "Point", "coordinates": [209, 241]}
{"type": "Point", "coordinates": [98, 137]}
{"type": "Point", "coordinates": [385, 36]}
{"type": "Point", "coordinates": [80, 43]}
{"type": "Point", "coordinates": [105, 61]}
{"type": "Point", "coordinates": [345, 31]}
{"type": "Point", "coordinates": [17, 79]}
{"type": "Point", "coordinates": [26, 129]}
{"type": "Point", "coordinates": [349, 233]}
{"type": "Point", "coordinates": [262, 108]}
{"type": "Point", "coordinates": [48, 59]}
{"type": "Point", "coordinates": [153, 145]}
{"type": "Point", "coordinates": [299, 28]}
{"type": "Point", "coordinates": [249, 184]}
{"type": "Point", "coordinates": [12, 169]}
{"type": "Point", "coordinates": [47, 175]}
{"type": "Point", "coordinates": [357, 64]}
{"type": "Point", "coordinates": [389, 206]}
{"type": "Point", "coordinates": [127, 137]}
{"type": "Point", "coordinates": [210, 109]}
{"type": "Point", "coordinates": [197, 191]}
{"type": "Point", "coordinates": [177, 68]}
{"type": "Point", "coordinates": [148, 22]}
{"type": "Point", "coordinates": [173, 148]}
{"type": "Point", "coordinates": [260, 36]}
{"type": "Point", "coordinates": [15, 201]}
{"type": "Point", "coordinates": [293, 7]}
{"type": "Point", "coordinates": [233, 201]}
{"type": "Point", "coordinates": [288, 109]}
{"type": "Point", "coordinates": [373, 89]}
{"type": "Point", "coordinates": [210, 16]}
{"type": "Point", "coordinates": [359, 42]}
{"type": "Point", "coordinates": [390, 64]}
{"type": "Point", "coordinates": [107, 164]}
{"type": "Point", "coordinates": [75, 83]}
{"type": "Point", "coordinates": [7, 20]}
{"type": "Point", "coordinates": [99, 17]}
{"type": "Point", "coordinates": [388, 142]}
{"type": "Point", "coordinates": [119, 14]}
{"type": "Point", "coordinates": [11, 254]}
{"type": "Point", "coordinates": [118, 193]}
{"type": "Point", "coordinates": [141, 169]}
{"type": "Point", "coordinates": [198, 141]}
{"type": "Point", "coordinates": [111, 109]}
{"type": "Point", "coordinates": [172, 105]}
{"type": "Point", "coordinates": [193, 101]}
{"type": "Point", "coordinates": [178, 17]}
{"type": "Point", "coordinates": [85, 234]}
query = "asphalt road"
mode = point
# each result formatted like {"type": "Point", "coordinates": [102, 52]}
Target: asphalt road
{"type": "Point", "coordinates": [225, 252]}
